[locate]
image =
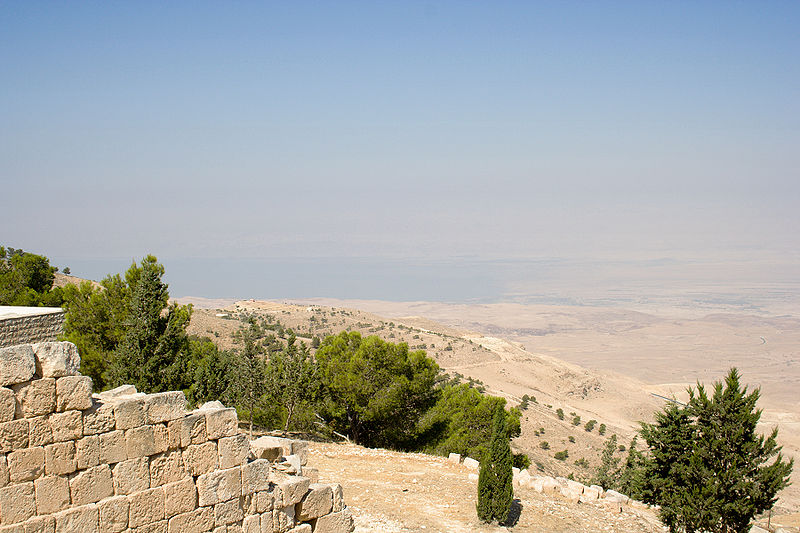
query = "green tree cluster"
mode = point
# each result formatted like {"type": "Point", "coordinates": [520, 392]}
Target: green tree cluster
{"type": "Point", "coordinates": [495, 480]}
{"type": "Point", "coordinates": [26, 279]}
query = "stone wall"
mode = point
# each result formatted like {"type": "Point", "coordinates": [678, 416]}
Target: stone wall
{"type": "Point", "coordinates": [123, 461]}
{"type": "Point", "coordinates": [21, 325]}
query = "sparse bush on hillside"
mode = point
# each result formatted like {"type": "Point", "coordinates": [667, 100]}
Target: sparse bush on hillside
{"type": "Point", "coordinates": [544, 445]}
{"type": "Point", "coordinates": [576, 420]}
{"type": "Point", "coordinates": [602, 429]}
{"type": "Point", "coordinates": [562, 455]}
{"type": "Point", "coordinates": [560, 413]}
{"type": "Point", "coordinates": [571, 438]}
{"type": "Point", "coordinates": [589, 426]}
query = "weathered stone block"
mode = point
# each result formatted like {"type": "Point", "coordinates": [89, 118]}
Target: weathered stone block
{"type": "Point", "coordinates": [52, 494]}
{"type": "Point", "coordinates": [301, 528]}
{"type": "Point", "coordinates": [141, 441]}
{"type": "Point", "coordinates": [73, 392]}
{"type": "Point", "coordinates": [146, 507]}
{"type": "Point", "coordinates": [119, 392]}
{"type": "Point", "coordinates": [99, 418]}
{"type": "Point", "coordinates": [166, 468]}
{"type": "Point", "coordinates": [341, 522]}
{"type": "Point", "coordinates": [228, 512]}
{"type": "Point", "coordinates": [256, 476]}
{"type": "Point", "coordinates": [300, 449]}
{"type": "Point", "coordinates": [283, 519]}
{"type": "Point", "coordinates": [317, 501]}
{"type": "Point", "coordinates": [85, 519]}
{"type": "Point", "coordinates": [59, 458]}
{"type": "Point", "coordinates": [8, 404]}
{"type": "Point", "coordinates": [180, 497]}
{"type": "Point", "coordinates": [219, 486]}
{"type": "Point", "coordinates": [469, 462]}
{"type": "Point", "coordinates": [131, 476]}
{"type": "Point", "coordinates": [338, 497]}
{"type": "Point", "coordinates": [13, 435]}
{"type": "Point", "coordinates": [174, 433]}
{"type": "Point", "coordinates": [17, 364]}
{"type": "Point", "coordinates": [265, 501]}
{"type": "Point", "coordinates": [91, 485]}
{"type": "Point", "coordinates": [290, 490]}
{"type": "Point", "coordinates": [193, 429]}
{"type": "Point", "coordinates": [39, 433]}
{"type": "Point", "coordinates": [87, 451]}
{"type": "Point", "coordinates": [4, 476]}
{"type": "Point", "coordinates": [201, 519]}
{"type": "Point", "coordinates": [252, 523]}
{"type": "Point", "coordinates": [56, 359]}
{"type": "Point", "coordinates": [17, 503]}
{"type": "Point", "coordinates": [201, 458]}
{"type": "Point", "coordinates": [221, 423]}
{"type": "Point", "coordinates": [112, 447]}
{"type": "Point", "coordinates": [40, 524]}
{"type": "Point", "coordinates": [162, 526]}
{"type": "Point", "coordinates": [270, 448]}
{"type": "Point", "coordinates": [35, 398]}
{"type": "Point", "coordinates": [233, 451]}
{"type": "Point", "coordinates": [26, 464]}
{"type": "Point", "coordinates": [311, 473]}
{"type": "Point", "coordinates": [165, 406]}
{"type": "Point", "coordinates": [113, 514]}
{"type": "Point", "coordinates": [129, 412]}
{"type": "Point", "coordinates": [66, 426]}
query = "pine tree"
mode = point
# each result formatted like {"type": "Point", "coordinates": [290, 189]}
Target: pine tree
{"type": "Point", "coordinates": [607, 474]}
{"type": "Point", "coordinates": [708, 468]}
{"type": "Point", "coordinates": [495, 480]}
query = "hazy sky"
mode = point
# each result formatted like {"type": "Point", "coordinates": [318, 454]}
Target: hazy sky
{"type": "Point", "coordinates": [399, 129]}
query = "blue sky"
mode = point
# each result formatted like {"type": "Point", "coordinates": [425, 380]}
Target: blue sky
{"type": "Point", "coordinates": [399, 129]}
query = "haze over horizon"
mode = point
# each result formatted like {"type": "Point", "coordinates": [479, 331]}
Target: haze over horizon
{"type": "Point", "coordinates": [316, 137]}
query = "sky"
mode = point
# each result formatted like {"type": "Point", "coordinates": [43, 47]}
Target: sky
{"type": "Point", "coordinates": [399, 131]}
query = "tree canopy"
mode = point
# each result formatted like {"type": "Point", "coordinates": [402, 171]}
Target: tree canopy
{"type": "Point", "coordinates": [27, 279]}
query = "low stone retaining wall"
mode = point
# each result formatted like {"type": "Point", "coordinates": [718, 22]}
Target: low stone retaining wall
{"type": "Point", "coordinates": [21, 325]}
{"type": "Point", "coordinates": [123, 461]}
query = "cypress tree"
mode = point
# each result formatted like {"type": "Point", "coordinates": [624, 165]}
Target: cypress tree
{"type": "Point", "coordinates": [495, 480]}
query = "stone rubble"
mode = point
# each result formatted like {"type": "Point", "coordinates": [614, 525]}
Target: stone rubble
{"type": "Point", "coordinates": [121, 461]}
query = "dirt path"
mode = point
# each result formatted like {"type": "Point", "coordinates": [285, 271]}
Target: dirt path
{"type": "Point", "coordinates": [393, 492]}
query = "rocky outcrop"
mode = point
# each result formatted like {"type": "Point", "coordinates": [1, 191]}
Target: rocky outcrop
{"type": "Point", "coordinates": [123, 461]}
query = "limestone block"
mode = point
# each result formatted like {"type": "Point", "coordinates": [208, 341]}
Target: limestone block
{"type": "Point", "coordinates": [256, 476]}
{"type": "Point", "coordinates": [17, 364]}
{"type": "Point", "coordinates": [129, 412]}
{"type": "Point", "coordinates": [112, 447]}
{"type": "Point", "coordinates": [233, 451]}
{"type": "Point", "coordinates": [17, 528]}
{"type": "Point", "coordinates": [165, 406]}
{"type": "Point", "coordinates": [341, 522]}
{"type": "Point", "coordinates": [162, 526]}
{"type": "Point", "coordinates": [174, 434]}
{"type": "Point", "coordinates": [270, 448]}
{"type": "Point", "coordinates": [131, 476]}
{"type": "Point", "coordinates": [85, 519]}
{"type": "Point", "coordinates": [39, 433]}
{"type": "Point", "coordinates": [56, 359]}
{"type": "Point", "coordinates": [221, 423]}
{"type": "Point", "coordinates": [317, 501]}
{"type": "Point", "coordinates": [201, 458]}
{"type": "Point", "coordinates": [13, 435]}
{"type": "Point", "coordinates": [193, 429]}
{"type": "Point", "coordinates": [59, 458]}
{"type": "Point", "coordinates": [17, 503]}
{"type": "Point", "coordinates": [219, 486]}
{"type": "Point", "coordinates": [4, 476]}
{"type": "Point", "coordinates": [201, 519]}
{"type": "Point", "coordinates": [26, 464]}
{"type": "Point", "coordinates": [522, 479]}
{"type": "Point", "coordinates": [146, 507]}
{"type": "Point", "coordinates": [166, 468]}
{"type": "Point", "coordinates": [252, 523]}
{"type": "Point", "coordinates": [145, 440]}
{"type": "Point", "coordinates": [472, 476]}
{"type": "Point", "coordinates": [265, 501]}
{"type": "Point", "coordinates": [300, 449]}
{"type": "Point", "coordinates": [311, 473]}
{"type": "Point", "coordinates": [73, 392]}
{"type": "Point", "coordinates": [91, 485]}
{"type": "Point", "coordinates": [571, 494]}
{"type": "Point", "coordinates": [66, 426]}
{"type": "Point", "coordinates": [228, 512]}
{"type": "Point", "coordinates": [35, 398]}
{"type": "Point", "coordinates": [302, 528]}
{"type": "Point", "coordinates": [283, 519]}
{"type": "Point", "coordinates": [113, 514]}
{"type": "Point", "coordinates": [290, 490]}
{"type": "Point", "coordinates": [615, 496]}
{"type": "Point", "coordinates": [122, 390]}
{"type": "Point", "coordinates": [590, 495]}
{"type": "Point", "coordinates": [8, 404]}
{"type": "Point", "coordinates": [40, 524]}
{"type": "Point", "coordinates": [180, 497]}
{"type": "Point", "coordinates": [233, 528]}
{"type": "Point", "coordinates": [469, 462]}
{"type": "Point", "coordinates": [598, 488]}
{"type": "Point", "coordinates": [99, 418]}
{"type": "Point", "coordinates": [87, 451]}
{"type": "Point", "coordinates": [338, 497]}
{"type": "Point", "coordinates": [454, 458]}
